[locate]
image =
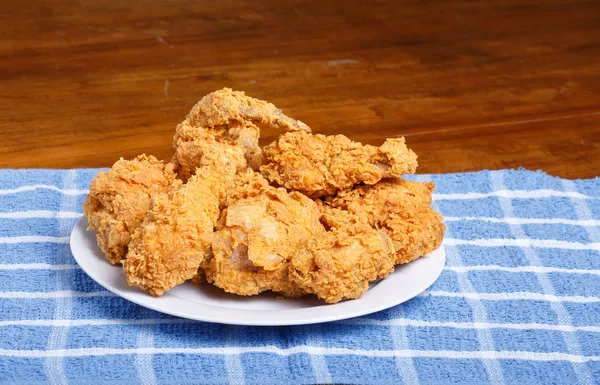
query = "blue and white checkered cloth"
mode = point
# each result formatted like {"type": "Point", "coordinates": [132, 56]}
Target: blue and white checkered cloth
{"type": "Point", "coordinates": [518, 302]}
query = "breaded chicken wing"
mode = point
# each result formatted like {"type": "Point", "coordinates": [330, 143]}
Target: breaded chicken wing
{"type": "Point", "coordinates": [229, 117]}
{"type": "Point", "coordinates": [340, 263]}
{"type": "Point", "coordinates": [175, 236]}
{"type": "Point", "coordinates": [257, 235]}
{"type": "Point", "coordinates": [119, 199]}
{"type": "Point", "coordinates": [319, 165]}
{"type": "Point", "coordinates": [400, 208]}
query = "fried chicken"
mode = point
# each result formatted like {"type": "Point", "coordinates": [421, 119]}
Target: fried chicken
{"type": "Point", "coordinates": [175, 236]}
{"type": "Point", "coordinates": [192, 143]}
{"type": "Point", "coordinates": [340, 263]}
{"type": "Point", "coordinates": [119, 199]}
{"type": "Point", "coordinates": [257, 235]}
{"type": "Point", "coordinates": [324, 216]}
{"type": "Point", "coordinates": [229, 117]}
{"type": "Point", "coordinates": [319, 165]}
{"type": "Point", "coordinates": [400, 208]}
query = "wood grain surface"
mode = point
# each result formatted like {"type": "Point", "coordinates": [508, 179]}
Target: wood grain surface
{"type": "Point", "coordinates": [471, 84]}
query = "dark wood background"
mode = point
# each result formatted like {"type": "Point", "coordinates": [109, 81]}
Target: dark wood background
{"type": "Point", "coordinates": [470, 84]}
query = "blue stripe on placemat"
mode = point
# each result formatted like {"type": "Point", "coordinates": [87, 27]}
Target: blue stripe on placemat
{"type": "Point", "coordinates": [518, 301]}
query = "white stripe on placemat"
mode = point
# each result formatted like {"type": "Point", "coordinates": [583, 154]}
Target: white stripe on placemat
{"type": "Point", "coordinates": [455, 354]}
{"type": "Point", "coordinates": [95, 322]}
{"type": "Point", "coordinates": [34, 239]}
{"type": "Point", "coordinates": [514, 194]}
{"type": "Point", "coordinates": [529, 221]}
{"type": "Point", "coordinates": [58, 335]}
{"type": "Point", "coordinates": [38, 266]}
{"type": "Point", "coordinates": [318, 361]}
{"type": "Point", "coordinates": [435, 293]}
{"type": "Point", "coordinates": [400, 341]}
{"type": "Point", "coordinates": [563, 316]}
{"type": "Point", "coordinates": [233, 361]}
{"type": "Point", "coordinates": [523, 242]}
{"type": "Point", "coordinates": [143, 362]}
{"type": "Point", "coordinates": [511, 296]}
{"type": "Point", "coordinates": [479, 312]}
{"type": "Point", "coordinates": [358, 321]}
{"type": "Point", "coordinates": [471, 325]}
{"type": "Point", "coordinates": [521, 269]}
{"type": "Point", "coordinates": [54, 294]}
{"type": "Point", "coordinates": [40, 214]}
{"type": "Point", "coordinates": [67, 191]}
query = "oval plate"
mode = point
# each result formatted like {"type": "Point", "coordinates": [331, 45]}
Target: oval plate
{"type": "Point", "coordinates": [208, 303]}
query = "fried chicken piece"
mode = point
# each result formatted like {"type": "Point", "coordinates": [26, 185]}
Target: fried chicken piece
{"type": "Point", "coordinates": [192, 143]}
{"type": "Point", "coordinates": [119, 199]}
{"type": "Point", "coordinates": [189, 155]}
{"type": "Point", "coordinates": [319, 165]}
{"type": "Point", "coordinates": [257, 235]}
{"type": "Point", "coordinates": [222, 107]}
{"type": "Point", "coordinates": [175, 236]}
{"type": "Point", "coordinates": [400, 208]}
{"type": "Point", "coordinates": [229, 117]}
{"type": "Point", "coordinates": [340, 263]}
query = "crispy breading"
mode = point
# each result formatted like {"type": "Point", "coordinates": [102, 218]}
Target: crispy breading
{"type": "Point", "coordinates": [228, 117]}
{"type": "Point", "coordinates": [319, 165]}
{"type": "Point", "coordinates": [175, 236]}
{"type": "Point", "coordinates": [402, 209]}
{"type": "Point", "coordinates": [340, 263]}
{"type": "Point", "coordinates": [325, 215]}
{"type": "Point", "coordinates": [119, 199]}
{"type": "Point", "coordinates": [257, 235]}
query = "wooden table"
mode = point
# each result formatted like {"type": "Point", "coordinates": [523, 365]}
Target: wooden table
{"type": "Point", "coordinates": [471, 84]}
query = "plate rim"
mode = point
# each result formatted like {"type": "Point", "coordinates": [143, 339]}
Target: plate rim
{"type": "Point", "coordinates": [78, 234]}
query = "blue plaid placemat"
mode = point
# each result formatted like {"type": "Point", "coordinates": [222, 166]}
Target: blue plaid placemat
{"type": "Point", "coordinates": [518, 302]}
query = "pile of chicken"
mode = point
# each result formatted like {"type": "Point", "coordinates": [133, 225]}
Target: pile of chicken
{"type": "Point", "coordinates": [307, 214]}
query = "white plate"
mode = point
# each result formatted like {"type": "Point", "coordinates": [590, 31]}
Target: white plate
{"type": "Point", "coordinates": [208, 303]}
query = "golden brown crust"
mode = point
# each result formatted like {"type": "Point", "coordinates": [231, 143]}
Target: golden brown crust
{"type": "Point", "coordinates": [319, 165]}
{"type": "Point", "coordinates": [222, 107]}
{"type": "Point", "coordinates": [340, 263]}
{"type": "Point", "coordinates": [228, 117]}
{"type": "Point", "coordinates": [119, 199]}
{"type": "Point", "coordinates": [210, 215]}
{"type": "Point", "coordinates": [175, 236]}
{"type": "Point", "coordinates": [400, 208]}
{"type": "Point", "coordinates": [193, 143]}
{"type": "Point", "coordinates": [257, 235]}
